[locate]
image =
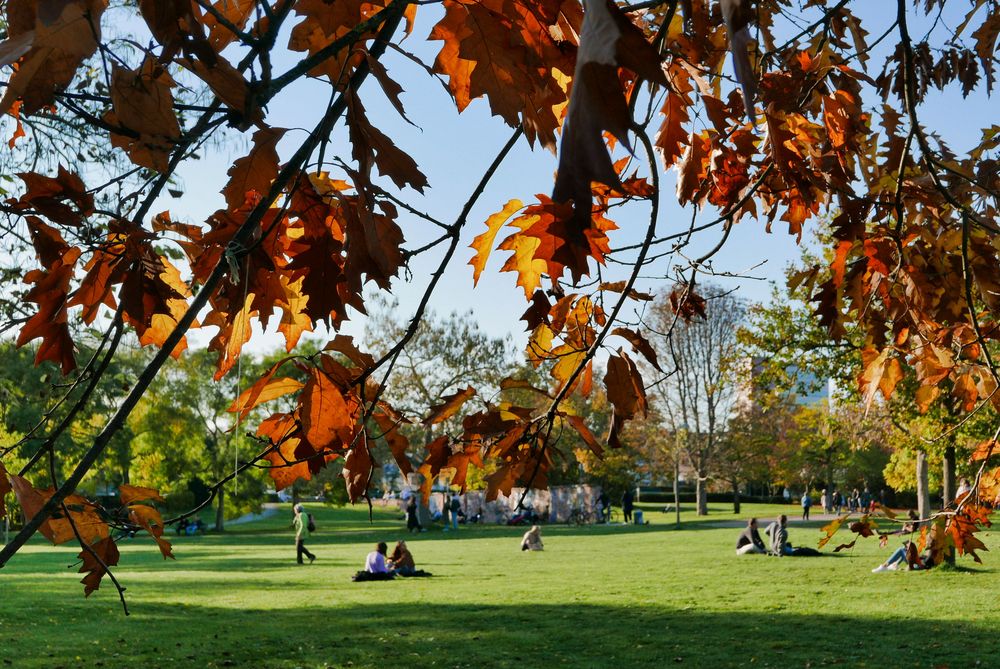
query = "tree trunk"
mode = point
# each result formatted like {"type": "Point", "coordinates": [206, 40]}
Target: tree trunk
{"type": "Point", "coordinates": [923, 493]}
{"type": "Point", "coordinates": [736, 498]}
{"type": "Point", "coordinates": [701, 494]}
{"type": "Point", "coordinates": [948, 481]}
{"type": "Point", "coordinates": [220, 517]}
{"type": "Point", "coordinates": [677, 494]}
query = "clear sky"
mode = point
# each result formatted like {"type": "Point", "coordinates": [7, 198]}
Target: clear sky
{"type": "Point", "coordinates": [453, 151]}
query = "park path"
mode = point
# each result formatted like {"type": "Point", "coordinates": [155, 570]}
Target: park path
{"type": "Point", "coordinates": [270, 509]}
{"type": "Point", "coordinates": [792, 520]}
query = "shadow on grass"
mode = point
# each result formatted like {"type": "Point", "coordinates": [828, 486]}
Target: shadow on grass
{"type": "Point", "coordinates": [528, 635]}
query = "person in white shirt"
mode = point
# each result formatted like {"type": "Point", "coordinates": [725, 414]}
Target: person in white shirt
{"type": "Point", "coordinates": [375, 562]}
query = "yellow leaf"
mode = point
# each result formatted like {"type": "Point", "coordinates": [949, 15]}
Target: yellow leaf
{"type": "Point", "coordinates": [483, 244]}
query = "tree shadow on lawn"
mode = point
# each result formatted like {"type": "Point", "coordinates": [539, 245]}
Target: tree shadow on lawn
{"type": "Point", "coordinates": [528, 635]}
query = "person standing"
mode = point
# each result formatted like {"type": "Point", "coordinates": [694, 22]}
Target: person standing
{"type": "Point", "coordinates": [455, 508]}
{"type": "Point", "coordinates": [446, 510]}
{"type": "Point", "coordinates": [807, 502]}
{"type": "Point", "coordinates": [301, 524]}
{"type": "Point", "coordinates": [412, 521]}
{"type": "Point", "coordinates": [628, 501]}
{"type": "Point", "coordinates": [824, 501]}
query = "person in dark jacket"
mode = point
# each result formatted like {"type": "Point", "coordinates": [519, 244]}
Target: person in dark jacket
{"type": "Point", "coordinates": [749, 540]}
{"type": "Point", "coordinates": [628, 501]}
{"type": "Point", "coordinates": [412, 522]}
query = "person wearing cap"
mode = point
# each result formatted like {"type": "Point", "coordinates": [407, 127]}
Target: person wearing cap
{"type": "Point", "coordinates": [301, 524]}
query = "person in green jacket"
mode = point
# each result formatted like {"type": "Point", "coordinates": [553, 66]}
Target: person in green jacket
{"type": "Point", "coordinates": [301, 524]}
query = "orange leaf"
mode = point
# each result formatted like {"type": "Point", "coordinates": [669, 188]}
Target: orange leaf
{"type": "Point", "coordinates": [357, 471]}
{"type": "Point", "coordinates": [255, 171]}
{"type": "Point", "coordinates": [588, 437]}
{"type": "Point", "coordinates": [452, 403]}
{"type": "Point", "coordinates": [150, 520]}
{"type": "Point", "coordinates": [326, 419]}
{"type": "Point", "coordinates": [107, 551]}
{"type": "Point", "coordinates": [132, 493]}
{"type": "Point", "coordinates": [266, 388]}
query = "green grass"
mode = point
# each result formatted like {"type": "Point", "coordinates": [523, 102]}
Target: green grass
{"type": "Point", "coordinates": [596, 597]}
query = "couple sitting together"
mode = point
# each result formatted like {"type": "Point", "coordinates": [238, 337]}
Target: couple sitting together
{"type": "Point", "coordinates": [379, 567]}
{"type": "Point", "coordinates": [749, 540]}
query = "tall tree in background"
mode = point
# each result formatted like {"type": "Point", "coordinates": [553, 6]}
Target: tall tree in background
{"type": "Point", "coordinates": [698, 398]}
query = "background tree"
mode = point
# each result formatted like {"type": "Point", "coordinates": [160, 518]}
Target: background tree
{"type": "Point", "coordinates": [698, 397]}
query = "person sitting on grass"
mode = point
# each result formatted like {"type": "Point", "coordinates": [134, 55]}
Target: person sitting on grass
{"type": "Point", "coordinates": [532, 539]}
{"type": "Point", "coordinates": [749, 540]}
{"type": "Point", "coordinates": [778, 534]}
{"type": "Point", "coordinates": [401, 560]}
{"type": "Point", "coordinates": [375, 562]}
{"type": "Point", "coordinates": [930, 558]}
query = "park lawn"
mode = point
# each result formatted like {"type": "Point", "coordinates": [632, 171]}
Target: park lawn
{"type": "Point", "coordinates": [596, 597]}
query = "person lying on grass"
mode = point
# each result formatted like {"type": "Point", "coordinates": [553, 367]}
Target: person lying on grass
{"type": "Point", "coordinates": [749, 540]}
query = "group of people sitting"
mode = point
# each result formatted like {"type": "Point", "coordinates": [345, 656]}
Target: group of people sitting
{"type": "Point", "coordinates": [778, 544]}
{"type": "Point", "coordinates": [379, 566]}
{"type": "Point", "coordinates": [907, 555]}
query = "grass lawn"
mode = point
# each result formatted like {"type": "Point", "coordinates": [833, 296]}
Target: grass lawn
{"type": "Point", "coordinates": [596, 597]}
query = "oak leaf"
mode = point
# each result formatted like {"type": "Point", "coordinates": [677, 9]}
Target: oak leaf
{"type": "Point", "coordinates": [63, 36]}
{"type": "Point", "coordinates": [255, 171]}
{"type": "Point", "coordinates": [597, 102]}
{"type": "Point", "coordinates": [483, 244]}
{"type": "Point", "coordinates": [449, 407]}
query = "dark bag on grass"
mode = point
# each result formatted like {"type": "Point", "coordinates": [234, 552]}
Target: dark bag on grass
{"type": "Point", "coordinates": [369, 576]}
{"type": "Point", "coordinates": [312, 524]}
{"type": "Point", "coordinates": [415, 573]}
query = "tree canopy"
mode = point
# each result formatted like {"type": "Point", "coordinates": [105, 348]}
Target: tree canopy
{"type": "Point", "coordinates": [772, 110]}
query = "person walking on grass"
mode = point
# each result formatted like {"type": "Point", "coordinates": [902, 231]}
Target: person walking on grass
{"type": "Point", "coordinates": [807, 502]}
{"type": "Point", "coordinates": [455, 507]}
{"type": "Point", "coordinates": [446, 511]}
{"type": "Point", "coordinates": [301, 524]}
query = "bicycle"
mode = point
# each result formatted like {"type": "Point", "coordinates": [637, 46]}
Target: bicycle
{"type": "Point", "coordinates": [580, 517]}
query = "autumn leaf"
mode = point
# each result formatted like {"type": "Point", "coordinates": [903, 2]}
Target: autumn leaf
{"type": "Point", "coordinates": [255, 171]}
{"type": "Point", "coordinates": [326, 418]}
{"type": "Point", "coordinates": [142, 106]}
{"type": "Point", "coordinates": [640, 344]}
{"type": "Point", "coordinates": [483, 244]}
{"type": "Point", "coordinates": [49, 54]}
{"type": "Point", "coordinates": [597, 102]}
{"type": "Point", "coordinates": [831, 529]}
{"type": "Point", "coordinates": [5, 488]}
{"type": "Point", "coordinates": [94, 563]}
{"type": "Point", "coordinates": [150, 520]}
{"type": "Point", "coordinates": [265, 389]}
{"type": "Point", "coordinates": [983, 451]}
{"type": "Point", "coordinates": [588, 437]}
{"type": "Point", "coordinates": [357, 472]}
{"type": "Point", "coordinates": [449, 407]}
{"type": "Point", "coordinates": [130, 494]}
